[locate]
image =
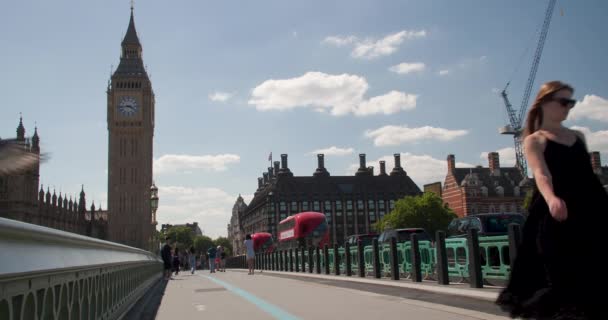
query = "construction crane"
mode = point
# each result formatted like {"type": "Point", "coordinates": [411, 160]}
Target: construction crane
{"type": "Point", "coordinates": [516, 118]}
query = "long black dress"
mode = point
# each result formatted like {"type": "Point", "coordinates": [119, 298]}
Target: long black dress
{"type": "Point", "coordinates": [558, 263]}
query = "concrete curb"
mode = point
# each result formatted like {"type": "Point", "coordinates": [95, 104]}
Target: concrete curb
{"type": "Point", "coordinates": [486, 294]}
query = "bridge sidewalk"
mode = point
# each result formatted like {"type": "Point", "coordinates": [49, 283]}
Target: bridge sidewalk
{"type": "Point", "coordinates": [487, 293]}
{"type": "Point", "coordinates": [282, 295]}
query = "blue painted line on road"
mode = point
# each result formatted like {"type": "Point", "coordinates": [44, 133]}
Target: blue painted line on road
{"type": "Point", "coordinates": [273, 310]}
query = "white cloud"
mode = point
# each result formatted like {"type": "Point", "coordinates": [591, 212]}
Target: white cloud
{"type": "Point", "coordinates": [444, 72]}
{"type": "Point", "coordinates": [220, 96]}
{"type": "Point", "coordinates": [591, 107]}
{"type": "Point", "coordinates": [334, 151]}
{"type": "Point", "coordinates": [506, 157]}
{"type": "Point", "coordinates": [185, 163]}
{"type": "Point", "coordinates": [339, 41]}
{"type": "Point", "coordinates": [396, 135]}
{"type": "Point", "coordinates": [422, 169]}
{"type": "Point", "coordinates": [389, 103]}
{"type": "Point", "coordinates": [210, 207]}
{"type": "Point", "coordinates": [596, 141]}
{"type": "Point", "coordinates": [405, 68]}
{"type": "Point", "coordinates": [371, 48]}
{"type": "Point", "coordinates": [294, 34]}
{"type": "Point", "coordinates": [340, 94]}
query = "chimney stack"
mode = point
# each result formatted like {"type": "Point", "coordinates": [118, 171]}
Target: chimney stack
{"type": "Point", "coordinates": [276, 167]}
{"type": "Point", "coordinates": [265, 175]}
{"type": "Point", "coordinates": [371, 170]}
{"type": "Point", "coordinates": [596, 162]}
{"type": "Point", "coordinates": [382, 168]}
{"type": "Point", "coordinates": [321, 171]}
{"type": "Point", "coordinates": [260, 183]}
{"type": "Point", "coordinates": [398, 170]}
{"type": "Point", "coordinates": [270, 173]}
{"type": "Point", "coordinates": [362, 171]}
{"type": "Point", "coordinates": [451, 163]}
{"type": "Point", "coordinates": [284, 168]}
{"type": "Point", "coordinates": [494, 163]}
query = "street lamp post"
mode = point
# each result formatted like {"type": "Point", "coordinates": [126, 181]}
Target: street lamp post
{"type": "Point", "coordinates": [154, 207]}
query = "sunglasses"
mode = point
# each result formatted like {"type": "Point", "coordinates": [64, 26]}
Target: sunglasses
{"type": "Point", "coordinates": [565, 102]}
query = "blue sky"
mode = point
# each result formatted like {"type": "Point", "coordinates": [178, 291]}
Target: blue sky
{"type": "Point", "coordinates": [235, 81]}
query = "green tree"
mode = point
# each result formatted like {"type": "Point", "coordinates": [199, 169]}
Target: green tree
{"type": "Point", "coordinates": [182, 236]}
{"type": "Point", "coordinates": [202, 243]}
{"type": "Point", "coordinates": [224, 242]}
{"type": "Point", "coordinates": [424, 211]}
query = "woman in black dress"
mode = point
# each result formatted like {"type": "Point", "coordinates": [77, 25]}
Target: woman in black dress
{"type": "Point", "coordinates": [564, 236]}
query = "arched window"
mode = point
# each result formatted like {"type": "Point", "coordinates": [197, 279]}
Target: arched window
{"type": "Point", "coordinates": [500, 191]}
{"type": "Point", "coordinates": [484, 191]}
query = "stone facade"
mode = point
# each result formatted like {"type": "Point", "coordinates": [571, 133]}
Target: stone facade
{"type": "Point", "coordinates": [235, 233]}
{"type": "Point", "coordinates": [20, 200]}
{"type": "Point", "coordinates": [130, 115]}
{"type": "Point", "coordinates": [351, 204]}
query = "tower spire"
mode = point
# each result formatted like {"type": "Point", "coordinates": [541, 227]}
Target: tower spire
{"type": "Point", "coordinates": [36, 140]}
{"type": "Point", "coordinates": [131, 35]}
{"type": "Point", "coordinates": [20, 129]}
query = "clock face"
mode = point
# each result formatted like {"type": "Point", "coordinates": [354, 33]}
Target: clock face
{"type": "Point", "coordinates": [127, 106]}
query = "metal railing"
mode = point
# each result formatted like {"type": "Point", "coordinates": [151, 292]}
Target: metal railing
{"type": "Point", "coordinates": [52, 274]}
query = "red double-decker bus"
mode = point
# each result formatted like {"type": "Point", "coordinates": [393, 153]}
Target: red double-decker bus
{"type": "Point", "coordinates": [303, 230]}
{"type": "Point", "coordinates": [262, 242]}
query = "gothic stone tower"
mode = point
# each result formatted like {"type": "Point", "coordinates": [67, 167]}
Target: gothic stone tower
{"type": "Point", "coordinates": [131, 131]}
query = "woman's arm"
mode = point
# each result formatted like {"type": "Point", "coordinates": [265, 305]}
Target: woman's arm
{"type": "Point", "coordinates": [534, 146]}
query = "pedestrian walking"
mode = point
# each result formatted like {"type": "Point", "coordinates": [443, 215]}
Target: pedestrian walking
{"type": "Point", "coordinates": [250, 253]}
{"type": "Point", "coordinates": [566, 223]}
{"type": "Point", "coordinates": [176, 261]}
{"type": "Point", "coordinates": [192, 260]}
{"type": "Point", "coordinates": [211, 252]}
{"type": "Point", "coordinates": [166, 256]}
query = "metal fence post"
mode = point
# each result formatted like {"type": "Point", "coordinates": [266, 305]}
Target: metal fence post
{"type": "Point", "coordinates": [349, 270]}
{"type": "Point", "coordinates": [361, 258]}
{"type": "Point", "coordinates": [442, 259]}
{"type": "Point", "coordinates": [376, 259]}
{"type": "Point", "coordinates": [336, 259]}
{"type": "Point", "coordinates": [416, 268]}
{"type": "Point", "coordinates": [326, 257]}
{"type": "Point", "coordinates": [474, 259]}
{"type": "Point", "coordinates": [394, 260]}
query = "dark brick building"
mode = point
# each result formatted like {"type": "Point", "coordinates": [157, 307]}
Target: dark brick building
{"type": "Point", "coordinates": [352, 204]}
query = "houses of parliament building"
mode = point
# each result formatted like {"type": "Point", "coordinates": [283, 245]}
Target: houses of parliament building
{"type": "Point", "coordinates": [130, 121]}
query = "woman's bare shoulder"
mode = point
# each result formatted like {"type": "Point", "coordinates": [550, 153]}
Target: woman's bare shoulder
{"type": "Point", "coordinates": [536, 139]}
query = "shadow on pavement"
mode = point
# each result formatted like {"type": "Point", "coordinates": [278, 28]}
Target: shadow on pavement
{"type": "Point", "coordinates": [147, 307]}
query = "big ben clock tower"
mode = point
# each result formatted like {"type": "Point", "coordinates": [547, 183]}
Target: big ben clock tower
{"type": "Point", "coordinates": [131, 131]}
